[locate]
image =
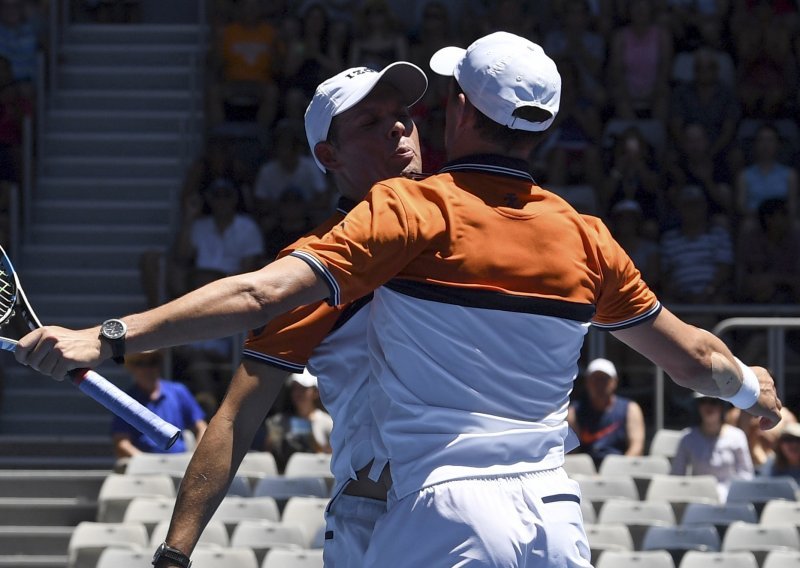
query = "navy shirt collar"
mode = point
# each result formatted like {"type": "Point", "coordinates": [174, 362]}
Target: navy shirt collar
{"type": "Point", "coordinates": [490, 164]}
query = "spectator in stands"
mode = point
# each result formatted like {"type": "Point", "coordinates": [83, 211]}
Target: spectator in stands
{"type": "Point", "coordinates": [245, 64]}
{"type": "Point", "coordinates": [713, 447]}
{"type": "Point", "coordinates": [210, 246]}
{"type": "Point", "coordinates": [575, 42]}
{"type": "Point", "coordinates": [641, 65]}
{"type": "Point", "coordinates": [696, 257]}
{"type": "Point", "coordinates": [316, 52]}
{"type": "Point", "coordinates": [289, 168]}
{"type": "Point", "coordinates": [769, 256]}
{"type": "Point", "coordinates": [692, 163]}
{"type": "Point", "coordinates": [19, 44]}
{"type": "Point", "coordinates": [627, 227]}
{"type": "Point", "coordinates": [303, 426]}
{"type": "Point", "coordinates": [786, 460]}
{"type": "Point", "coordinates": [605, 422]}
{"type": "Point", "coordinates": [433, 33]}
{"type": "Point", "coordinates": [695, 22]}
{"type": "Point", "coordinates": [762, 35]}
{"type": "Point", "coordinates": [378, 40]}
{"type": "Point", "coordinates": [574, 156]}
{"type": "Point", "coordinates": [708, 102]}
{"type": "Point", "coordinates": [633, 175]}
{"type": "Point", "coordinates": [766, 177]}
{"type": "Point", "coordinates": [170, 400]}
{"type": "Point", "coordinates": [290, 221]}
{"type": "Point", "coordinates": [762, 443]}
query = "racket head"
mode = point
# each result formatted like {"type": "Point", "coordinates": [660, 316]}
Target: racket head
{"type": "Point", "coordinates": [17, 318]}
{"type": "Point", "coordinates": [9, 289]}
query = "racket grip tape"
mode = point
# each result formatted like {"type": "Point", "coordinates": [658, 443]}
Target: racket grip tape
{"type": "Point", "coordinates": [121, 404]}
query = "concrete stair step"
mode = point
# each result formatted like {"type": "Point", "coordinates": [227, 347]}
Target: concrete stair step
{"type": "Point", "coordinates": [105, 188]}
{"type": "Point", "coordinates": [34, 541]}
{"type": "Point", "coordinates": [34, 561]}
{"type": "Point", "coordinates": [155, 54]}
{"type": "Point", "coordinates": [56, 483]}
{"type": "Point", "coordinates": [121, 212]}
{"type": "Point", "coordinates": [98, 145]}
{"type": "Point", "coordinates": [124, 99]}
{"type": "Point", "coordinates": [112, 167]}
{"type": "Point", "coordinates": [92, 256]}
{"type": "Point", "coordinates": [28, 511]}
{"type": "Point", "coordinates": [54, 307]}
{"type": "Point", "coordinates": [134, 78]}
{"type": "Point", "coordinates": [123, 122]}
{"type": "Point", "coordinates": [137, 34]}
{"type": "Point", "coordinates": [74, 281]}
{"type": "Point", "coordinates": [62, 445]}
{"type": "Point", "coordinates": [108, 234]}
{"type": "Point", "coordinates": [51, 401]}
{"type": "Point", "coordinates": [51, 424]}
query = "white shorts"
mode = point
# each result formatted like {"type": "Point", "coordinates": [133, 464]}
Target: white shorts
{"type": "Point", "coordinates": [530, 520]}
{"type": "Point", "coordinates": [349, 522]}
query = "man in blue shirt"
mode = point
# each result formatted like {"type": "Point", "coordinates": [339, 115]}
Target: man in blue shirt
{"type": "Point", "coordinates": [170, 400]}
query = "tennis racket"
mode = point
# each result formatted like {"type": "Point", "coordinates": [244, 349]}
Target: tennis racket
{"type": "Point", "coordinates": [17, 318]}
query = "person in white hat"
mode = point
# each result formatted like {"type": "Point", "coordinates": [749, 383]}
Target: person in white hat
{"type": "Point", "coordinates": [359, 130]}
{"type": "Point", "coordinates": [484, 287]}
{"type": "Point", "coordinates": [605, 422]}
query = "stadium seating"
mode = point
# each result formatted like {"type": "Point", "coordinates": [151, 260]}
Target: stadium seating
{"type": "Point", "coordinates": [579, 464]}
{"type": "Point", "coordinates": [173, 465]}
{"type": "Point", "coordinates": [721, 515]}
{"type": "Point", "coordinates": [599, 489]}
{"type": "Point", "coordinates": [224, 558]}
{"type": "Point", "coordinates": [678, 540]}
{"type": "Point", "coordinates": [115, 557]}
{"type": "Point", "coordinates": [782, 559]}
{"type": "Point", "coordinates": [307, 512]}
{"type": "Point", "coordinates": [680, 490]}
{"type": "Point", "coordinates": [234, 509]}
{"type": "Point", "coordinates": [640, 468]}
{"type": "Point", "coordinates": [637, 515]}
{"type": "Point", "coordinates": [282, 488]}
{"type": "Point", "coordinates": [762, 489]}
{"type": "Point", "coordinates": [90, 539]}
{"type": "Point", "coordinates": [608, 536]}
{"type": "Point", "coordinates": [778, 512]}
{"type": "Point", "coordinates": [665, 442]}
{"type": "Point", "coordinates": [283, 558]}
{"type": "Point", "coordinates": [263, 536]}
{"type": "Point", "coordinates": [256, 465]}
{"type": "Point", "coordinates": [628, 559]}
{"type": "Point", "coordinates": [760, 539]}
{"type": "Point", "coordinates": [119, 489]}
{"type": "Point", "coordinates": [695, 559]}
{"type": "Point", "coordinates": [149, 511]}
{"type": "Point", "coordinates": [302, 464]}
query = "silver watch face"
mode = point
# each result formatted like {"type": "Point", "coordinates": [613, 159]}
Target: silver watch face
{"type": "Point", "coordinates": [114, 329]}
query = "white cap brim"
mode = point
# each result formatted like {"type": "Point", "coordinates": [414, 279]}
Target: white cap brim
{"type": "Point", "coordinates": [444, 61]}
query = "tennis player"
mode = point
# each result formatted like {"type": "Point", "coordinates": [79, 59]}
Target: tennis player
{"type": "Point", "coordinates": [484, 287]}
{"type": "Point", "coordinates": [359, 129]}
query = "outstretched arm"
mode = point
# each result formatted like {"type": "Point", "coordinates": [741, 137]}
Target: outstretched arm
{"type": "Point", "coordinates": [220, 309]}
{"type": "Point", "coordinates": [698, 360]}
{"type": "Point", "coordinates": [216, 459]}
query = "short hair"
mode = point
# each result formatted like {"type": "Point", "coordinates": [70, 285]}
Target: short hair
{"type": "Point", "coordinates": [505, 137]}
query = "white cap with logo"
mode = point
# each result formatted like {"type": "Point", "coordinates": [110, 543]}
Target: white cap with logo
{"type": "Point", "coordinates": [345, 90]}
{"type": "Point", "coordinates": [503, 72]}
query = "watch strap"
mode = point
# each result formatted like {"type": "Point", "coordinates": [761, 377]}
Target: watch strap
{"type": "Point", "coordinates": [173, 555]}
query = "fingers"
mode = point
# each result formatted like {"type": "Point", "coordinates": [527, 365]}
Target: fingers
{"type": "Point", "coordinates": [39, 351]}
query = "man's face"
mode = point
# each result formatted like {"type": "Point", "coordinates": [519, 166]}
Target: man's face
{"type": "Point", "coordinates": [375, 140]}
{"type": "Point", "coordinates": [600, 385]}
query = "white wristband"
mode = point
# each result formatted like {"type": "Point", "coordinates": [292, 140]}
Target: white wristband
{"type": "Point", "coordinates": [748, 394]}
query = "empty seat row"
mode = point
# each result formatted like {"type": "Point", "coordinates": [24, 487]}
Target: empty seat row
{"type": "Point", "coordinates": [215, 558]}
{"type": "Point", "coordinates": [699, 559]}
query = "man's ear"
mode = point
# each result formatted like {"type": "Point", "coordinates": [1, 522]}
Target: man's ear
{"type": "Point", "coordinates": [326, 154]}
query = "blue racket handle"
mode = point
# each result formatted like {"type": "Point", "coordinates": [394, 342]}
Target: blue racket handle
{"type": "Point", "coordinates": [121, 404]}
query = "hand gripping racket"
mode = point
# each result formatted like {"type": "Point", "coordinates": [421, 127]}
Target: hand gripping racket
{"type": "Point", "coordinates": [17, 318]}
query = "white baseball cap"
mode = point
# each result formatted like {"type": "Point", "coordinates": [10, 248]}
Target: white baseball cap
{"type": "Point", "coordinates": [601, 366]}
{"type": "Point", "coordinates": [502, 72]}
{"type": "Point", "coordinates": [305, 379]}
{"type": "Point", "coordinates": [345, 90]}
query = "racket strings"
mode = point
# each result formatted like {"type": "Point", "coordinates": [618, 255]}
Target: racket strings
{"type": "Point", "coordinates": [8, 293]}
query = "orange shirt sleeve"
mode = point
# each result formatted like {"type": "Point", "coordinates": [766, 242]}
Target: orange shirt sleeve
{"type": "Point", "coordinates": [376, 240]}
{"type": "Point", "coordinates": [623, 299]}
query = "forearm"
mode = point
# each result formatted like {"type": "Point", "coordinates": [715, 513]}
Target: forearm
{"type": "Point", "coordinates": [253, 390]}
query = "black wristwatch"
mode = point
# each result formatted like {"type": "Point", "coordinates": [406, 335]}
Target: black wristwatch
{"type": "Point", "coordinates": [113, 331]}
{"type": "Point", "coordinates": [172, 554]}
